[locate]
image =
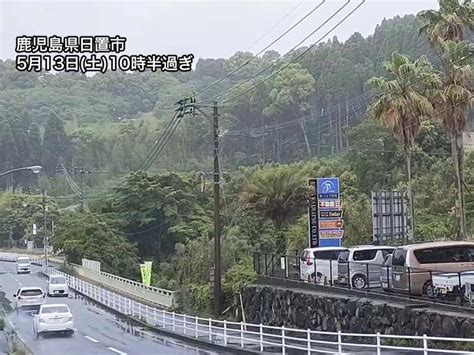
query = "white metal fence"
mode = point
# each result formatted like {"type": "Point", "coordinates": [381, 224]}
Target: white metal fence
{"type": "Point", "coordinates": [261, 337]}
{"type": "Point", "coordinates": [91, 264]}
{"type": "Point", "coordinates": [161, 297]}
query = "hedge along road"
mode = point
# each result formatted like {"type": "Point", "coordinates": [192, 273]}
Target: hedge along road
{"type": "Point", "coordinates": [97, 330]}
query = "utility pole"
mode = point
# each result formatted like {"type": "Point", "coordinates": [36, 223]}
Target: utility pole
{"type": "Point", "coordinates": [45, 236]}
{"type": "Point", "coordinates": [217, 235]}
{"type": "Point", "coordinates": [188, 106]}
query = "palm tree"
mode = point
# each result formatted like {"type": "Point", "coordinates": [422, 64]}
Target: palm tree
{"type": "Point", "coordinates": [447, 29]}
{"type": "Point", "coordinates": [279, 194]}
{"type": "Point", "coordinates": [456, 97]}
{"type": "Point", "coordinates": [403, 103]}
{"type": "Point", "coordinates": [450, 22]}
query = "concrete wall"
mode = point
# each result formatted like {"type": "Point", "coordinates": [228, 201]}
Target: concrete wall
{"type": "Point", "coordinates": [303, 309]}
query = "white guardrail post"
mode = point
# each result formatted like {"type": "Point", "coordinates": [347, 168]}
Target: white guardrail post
{"type": "Point", "coordinates": [210, 329]}
{"type": "Point", "coordinates": [283, 349]}
{"type": "Point", "coordinates": [196, 324]}
{"type": "Point", "coordinates": [425, 345]}
{"type": "Point", "coordinates": [225, 332]}
{"type": "Point", "coordinates": [378, 343]}
{"type": "Point", "coordinates": [308, 338]}
{"type": "Point", "coordinates": [339, 342]}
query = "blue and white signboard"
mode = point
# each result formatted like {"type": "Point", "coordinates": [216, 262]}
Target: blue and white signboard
{"type": "Point", "coordinates": [326, 223]}
{"type": "Point", "coordinates": [328, 189]}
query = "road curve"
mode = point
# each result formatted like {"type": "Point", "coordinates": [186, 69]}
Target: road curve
{"type": "Point", "coordinates": [97, 330]}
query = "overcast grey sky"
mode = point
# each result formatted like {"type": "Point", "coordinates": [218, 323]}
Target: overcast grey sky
{"type": "Point", "coordinates": [208, 29]}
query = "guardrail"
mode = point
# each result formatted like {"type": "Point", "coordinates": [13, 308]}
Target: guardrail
{"type": "Point", "coordinates": [260, 337]}
{"type": "Point", "coordinates": [158, 296]}
{"type": "Point", "coordinates": [161, 297]}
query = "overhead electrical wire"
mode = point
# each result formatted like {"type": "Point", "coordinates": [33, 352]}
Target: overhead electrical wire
{"type": "Point", "coordinates": [248, 61]}
{"type": "Point", "coordinates": [275, 25]}
{"type": "Point", "coordinates": [310, 117]}
{"type": "Point", "coordinates": [152, 152]}
{"type": "Point", "coordinates": [294, 59]}
{"type": "Point", "coordinates": [161, 143]}
{"type": "Point", "coordinates": [76, 189]}
{"type": "Point", "coordinates": [291, 50]}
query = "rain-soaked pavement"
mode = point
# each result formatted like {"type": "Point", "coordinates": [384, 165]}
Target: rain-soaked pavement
{"type": "Point", "coordinates": [98, 331]}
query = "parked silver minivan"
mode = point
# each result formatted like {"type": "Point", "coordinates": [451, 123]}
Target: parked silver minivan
{"type": "Point", "coordinates": [362, 265]}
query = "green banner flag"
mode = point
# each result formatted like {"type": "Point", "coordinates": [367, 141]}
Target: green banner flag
{"type": "Point", "coordinates": [148, 270]}
{"type": "Point", "coordinates": [143, 272]}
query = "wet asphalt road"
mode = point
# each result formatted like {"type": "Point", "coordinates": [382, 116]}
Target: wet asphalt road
{"type": "Point", "coordinates": [97, 330]}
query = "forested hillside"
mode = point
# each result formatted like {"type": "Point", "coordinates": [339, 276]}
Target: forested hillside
{"type": "Point", "coordinates": [86, 117]}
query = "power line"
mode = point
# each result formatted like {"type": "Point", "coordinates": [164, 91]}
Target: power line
{"type": "Point", "coordinates": [290, 51]}
{"type": "Point", "coordinates": [426, 119]}
{"type": "Point", "coordinates": [71, 182]}
{"type": "Point", "coordinates": [261, 51]}
{"type": "Point", "coordinates": [158, 143]}
{"type": "Point", "coordinates": [275, 25]}
{"type": "Point", "coordinates": [369, 94]}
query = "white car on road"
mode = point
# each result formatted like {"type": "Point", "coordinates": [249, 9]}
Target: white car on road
{"type": "Point", "coordinates": [57, 286]}
{"type": "Point", "coordinates": [29, 297]}
{"type": "Point", "coordinates": [23, 265]}
{"type": "Point", "coordinates": [53, 318]}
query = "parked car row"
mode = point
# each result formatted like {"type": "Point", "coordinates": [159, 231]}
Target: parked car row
{"type": "Point", "coordinates": [360, 265]}
{"type": "Point", "coordinates": [407, 268]}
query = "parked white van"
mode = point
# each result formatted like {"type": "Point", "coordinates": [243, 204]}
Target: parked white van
{"type": "Point", "coordinates": [57, 286]}
{"type": "Point", "coordinates": [321, 262]}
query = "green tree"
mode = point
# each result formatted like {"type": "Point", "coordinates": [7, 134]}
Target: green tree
{"type": "Point", "coordinates": [457, 97]}
{"type": "Point", "coordinates": [34, 139]}
{"type": "Point", "coordinates": [404, 102]}
{"type": "Point", "coordinates": [55, 144]}
{"type": "Point", "coordinates": [279, 194]}
{"type": "Point", "coordinates": [88, 235]}
{"type": "Point", "coordinates": [447, 29]}
{"type": "Point", "coordinates": [290, 96]}
{"type": "Point", "coordinates": [450, 23]}
{"type": "Point", "coordinates": [157, 211]}
{"type": "Point", "coordinates": [19, 212]}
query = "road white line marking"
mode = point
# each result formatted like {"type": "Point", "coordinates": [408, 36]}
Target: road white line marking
{"type": "Point", "coordinates": [116, 351]}
{"type": "Point", "coordinates": [91, 339]}
{"type": "Point", "coordinates": [21, 284]}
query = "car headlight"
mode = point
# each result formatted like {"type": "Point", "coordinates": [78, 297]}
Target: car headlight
{"type": "Point", "coordinates": [42, 320]}
{"type": "Point", "coordinates": [69, 319]}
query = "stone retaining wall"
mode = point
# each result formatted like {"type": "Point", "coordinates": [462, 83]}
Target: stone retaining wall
{"type": "Point", "coordinates": [301, 309]}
